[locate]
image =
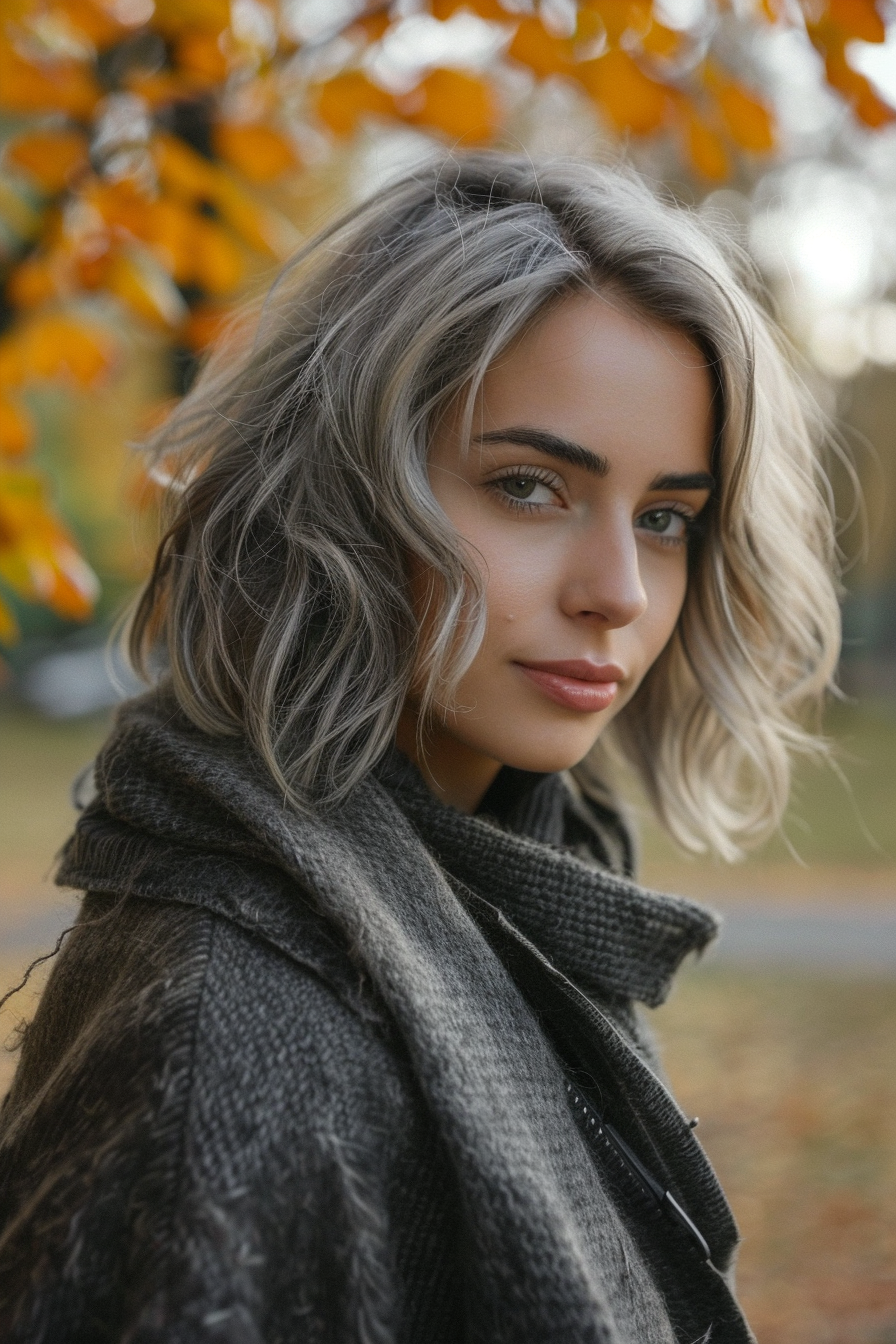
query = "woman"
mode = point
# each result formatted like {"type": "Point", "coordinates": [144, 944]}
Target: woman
{"type": "Point", "coordinates": [344, 1046]}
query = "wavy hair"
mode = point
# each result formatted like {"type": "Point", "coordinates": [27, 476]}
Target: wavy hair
{"type": "Point", "coordinates": [299, 497]}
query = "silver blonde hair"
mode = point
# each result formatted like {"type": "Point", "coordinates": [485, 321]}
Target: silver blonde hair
{"type": "Point", "coordinates": [299, 497]}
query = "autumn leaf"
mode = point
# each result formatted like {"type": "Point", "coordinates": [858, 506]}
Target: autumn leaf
{"type": "Point", "coordinates": [747, 121]}
{"type": "Point", "coordinates": [145, 289]}
{"type": "Point", "coordinates": [204, 325]}
{"type": "Point", "coordinates": [540, 50]}
{"type": "Point", "coordinates": [343, 101]}
{"type": "Point", "coordinates": [9, 626]}
{"type": "Point", "coordinates": [858, 19]}
{"type": "Point", "coordinates": [16, 428]}
{"type": "Point", "coordinates": [54, 345]}
{"type": "Point", "coordinates": [200, 53]}
{"type": "Point", "coordinates": [258, 152]}
{"type": "Point", "coordinates": [486, 9]}
{"type": "Point", "coordinates": [631, 100]}
{"type": "Point", "coordinates": [460, 105]}
{"type": "Point", "coordinates": [50, 158]}
{"type": "Point", "coordinates": [38, 559]}
{"type": "Point", "coordinates": [61, 85]}
{"type": "Point", "coordinates": [854, 87]}
{"type": "Point", "coordinates": [703, 146]}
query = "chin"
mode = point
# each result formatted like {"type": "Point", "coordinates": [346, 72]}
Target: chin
{"type": "Point", "coordinates": [540, 756]}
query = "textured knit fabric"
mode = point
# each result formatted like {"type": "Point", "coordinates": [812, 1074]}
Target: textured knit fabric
{"type": "Point", "coordinates": [318, 1078]}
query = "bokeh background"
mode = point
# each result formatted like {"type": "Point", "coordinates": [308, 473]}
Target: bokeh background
{"type": "Point", "coordinates": [160, 158]}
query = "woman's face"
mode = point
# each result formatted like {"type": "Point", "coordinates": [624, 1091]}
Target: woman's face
{"type": "Point", "coordinates": [588, 464]}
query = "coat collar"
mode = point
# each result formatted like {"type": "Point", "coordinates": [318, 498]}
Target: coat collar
{"type": "Point", "coordinates": [603, 931]}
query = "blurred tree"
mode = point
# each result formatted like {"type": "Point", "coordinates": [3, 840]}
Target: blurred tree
{"type": "Point", "coordinates": [144, 140]}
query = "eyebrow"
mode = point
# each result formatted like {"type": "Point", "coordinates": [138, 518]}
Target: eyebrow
{"type": "Point", "coordinates": [550, 444]}
{"type": "Point", "coordinates": [689, 480]}
{"type": "Point", "coordinates": [578, 456]}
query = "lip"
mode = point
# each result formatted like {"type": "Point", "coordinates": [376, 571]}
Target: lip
{"type": "Point", "coordinates": [576, 683]}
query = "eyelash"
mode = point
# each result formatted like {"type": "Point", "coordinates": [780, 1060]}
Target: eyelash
{"type": "Point", "coordinates": [529, 474]}
{"type": "Point", "coordinates": [691, 520]}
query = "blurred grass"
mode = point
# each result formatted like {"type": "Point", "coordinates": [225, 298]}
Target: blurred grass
{"type": "Point", "coordinates": [794, 1082]}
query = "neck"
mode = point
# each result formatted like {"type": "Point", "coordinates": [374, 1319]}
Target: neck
{"type": "Point", "coordinates": [455, 773]}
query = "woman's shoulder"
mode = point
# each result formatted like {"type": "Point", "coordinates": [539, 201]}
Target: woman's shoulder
{"type": "Point", "coordinates": [145, 984]}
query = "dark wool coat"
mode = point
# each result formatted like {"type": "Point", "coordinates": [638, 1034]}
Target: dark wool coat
{"type": "Point", "coordinates": [342, 1079]}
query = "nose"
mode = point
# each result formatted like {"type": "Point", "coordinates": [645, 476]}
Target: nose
{"type": "Point", "coordinates": [603, 580]}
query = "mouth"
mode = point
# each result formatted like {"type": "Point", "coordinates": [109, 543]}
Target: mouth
{"type": "Point", "coordinates": [576, 683]}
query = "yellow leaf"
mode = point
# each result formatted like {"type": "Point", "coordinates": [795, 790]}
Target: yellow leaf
{"type": "Point", "coordinates": [54, 345]}
{"type": "Point", "coordinates": [16, 428]}
{"type": "Point", "coordinates": [204, 325]}
{"type": "Point", "coordinates": [540, 50]}
{"type": "Point", "coordinates": [173, 16]}
{"type": "Point", "coordinates": [146, 289]}
{"type": "Point", "coordinates": [96, 22]}
{"type": "Point", "coordinates": [748, 122]}
{"type": "Point", "coordinates": [35, 281]}
{"type": "Point", "coordinates": [459, 104]}
{"type": "Point", "coordinates": [62, 85]}
{"type": "Point", "coordinates": [616, 17]}
{"type": "Point", "coordinates": [9, 626]}
{"type": "Point", "coordinates": [704, 148]}
{"type": "Point", "coordinates": [855, 88]}
{"type": "Point", "coordinates": [51, 158]}
{"type": "Point", "coordinates": [857, 18]}
{"type": "Point", "coordinates": [659, 40]}
{"type": "Point", "coordinates": [217, 264]}
{"type": "Point", "coordinates": [486, 9]}
{"type": "Point", "coordinates": [200, 53]}
{"type": "Point", "coordinates": [258, 152]}
{"type": "Point", "coordinates": [37, 556]}
{"type": "Point", "coordinates": [631, 100]}
{"type": "Point", "coordinates": [343, 101]}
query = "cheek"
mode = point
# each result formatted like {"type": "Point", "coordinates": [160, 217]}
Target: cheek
{"type": "Point", "coordinates": [665, 583]}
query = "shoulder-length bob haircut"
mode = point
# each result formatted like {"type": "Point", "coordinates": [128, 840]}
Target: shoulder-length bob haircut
{"type": "Point", "coordinates": [299, 498]}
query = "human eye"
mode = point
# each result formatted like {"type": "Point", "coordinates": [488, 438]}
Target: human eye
{"type": "Point", "coordinates": [668, 524]}
{"type": "Point", "coordinates": [526, 488]}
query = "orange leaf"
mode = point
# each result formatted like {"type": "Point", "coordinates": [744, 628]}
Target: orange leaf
{"type": "Point", "coordinates": [9, 626]}
{"type": "Point", "coordinates": [704, 147]}
{"type": "Point", "coordinates": [50, 157]}
{"type": "Point", "coordinates": [34, 281]}
{"type": "Point", "coordinates": [186, 174]}
{"type": "Point", "coordinates": [374, 25]}
{"type": "Point", "coordinates": [749, 123]}
{"type": "Point", "coordinates": [259, 153]}
{"type": "Point", "coordinates": [855, 88]}
{"type": "Point", "coordinates": [343, 101]}
{"type": "Point", "coordinates": [217, 263]}
{"type": "Point", "coordinates": [95, 21]}
{"type": "Point", "coordinates": [146, 290]}
{"type": "Point", "coordinates": [659, 40]}
{"type": "Point", "coordinates": [534, 46]}
{"type": "Point", "coordinates": [204, 325]}
{"type": "Point", "coordinates": [182, 170]}
{"type": "Point", "coordinates": [630, 98]}
{"type": "Point", "coordinates": [616, 17]}
{"type": "Point", "coordinates": [53, 86]}
{"type": "Point", "coordinates": [164, 87]}
{"type": "Point", "coordinates": [173, 16]}
{"type": "Point", "coordinates": [57, 346]}
{"type": "Point", "coordinates": [37, 557]}
{"type": "Point", "coordinates": [199, 52]}
{"type": "Point", "coordinates": [857, 18]}
{"type": "Point", "coordinates": [16, 428]}
{"type": "Point", "coordinates": [486, 9]}
{"type": "Point", "coordinates": [459, 104]}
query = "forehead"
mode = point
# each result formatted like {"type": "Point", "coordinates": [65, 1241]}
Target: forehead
{"type": "Point", "coordinates": [594, 371]}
